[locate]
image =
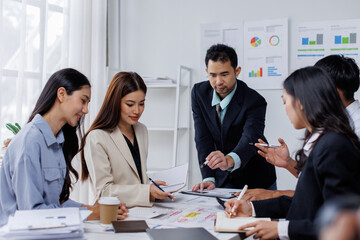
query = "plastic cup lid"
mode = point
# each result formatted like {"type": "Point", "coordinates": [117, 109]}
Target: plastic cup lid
{"type": "Point", "coordinates": [109, 200]}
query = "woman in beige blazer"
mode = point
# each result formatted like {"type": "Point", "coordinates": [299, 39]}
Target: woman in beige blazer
{"type": "Point", "coordinates": [114, 150]}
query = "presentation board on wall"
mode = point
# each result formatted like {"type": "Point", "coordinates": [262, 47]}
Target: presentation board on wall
{"type": "Point", "coordinates": [265, 53]}
{"type": "Point", "coordinates": [315, 40]}
{"type": "Point", "coordinates": [261, 46]}
{"type": "Point", "coordinates": [230, 34]}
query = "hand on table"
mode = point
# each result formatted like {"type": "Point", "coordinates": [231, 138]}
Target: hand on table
{"type": "Point", "coordinates": [262, 194]}
{"type": "Point", "coordinates": [262, 229]}
{"type": "Point", "coordinates": [207, 185]}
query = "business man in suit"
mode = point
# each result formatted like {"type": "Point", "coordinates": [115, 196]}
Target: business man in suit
{"type": "Point", "coordinates": [228, 115]}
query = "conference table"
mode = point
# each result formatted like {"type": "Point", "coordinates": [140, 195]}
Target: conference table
{"type": "Point", "coordinates": [184, 206]}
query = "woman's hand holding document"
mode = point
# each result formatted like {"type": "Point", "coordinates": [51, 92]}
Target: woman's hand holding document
{"type": "Point", "coordinates": [175, 178]}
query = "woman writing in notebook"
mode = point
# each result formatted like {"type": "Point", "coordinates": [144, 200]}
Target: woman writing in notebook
{"type": "Point", "coordinates": [329, 160]}
{"type": "Point", "coordinates": [114, 150]}
{"type": "Point", "coordinates": [36, 168]}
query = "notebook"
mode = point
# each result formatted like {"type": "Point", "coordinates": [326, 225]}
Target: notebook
{"type": "Point", "coordinates": [226, 224]}
{"type": "Point", "coordinates": [179, 234]}
{"type": "Point", "coordinates": [129, 226]}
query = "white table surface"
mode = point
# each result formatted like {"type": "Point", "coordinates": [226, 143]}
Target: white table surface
{"type": "Point", "coordinates": [93, 230]}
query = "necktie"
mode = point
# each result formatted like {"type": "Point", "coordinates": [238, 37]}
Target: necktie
{"type": "Point", "coordinates": [218, 114]}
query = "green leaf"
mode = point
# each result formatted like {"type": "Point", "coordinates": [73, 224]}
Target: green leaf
{"type": "Point", "coordinates": [11, 128]}
{"type": "Point", "coordinates": [18, 126]}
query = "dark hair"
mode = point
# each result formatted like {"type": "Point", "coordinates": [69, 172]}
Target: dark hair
{"type": "Point", "coordinates": [344, 72]}
{"type": "Point", "coordinates": [108, 117]}
{"type": "Point", "coordinates": [72, 80]}
{"type": "Point", "coordinates": [222, 53]}
{"type": "Point", "coordinates": [331, 209]}
{"type": "Point", "coordinates": [322, 105]}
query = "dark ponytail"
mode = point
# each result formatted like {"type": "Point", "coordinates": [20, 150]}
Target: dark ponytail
{"type": "Point", "coordinates": [72, 80]}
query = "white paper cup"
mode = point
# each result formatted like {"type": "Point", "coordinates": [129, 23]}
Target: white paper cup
{"type": "Point", "coordinates": [108, 209]}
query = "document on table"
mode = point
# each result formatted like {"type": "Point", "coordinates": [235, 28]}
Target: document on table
{"type": "Point", "coordinates": [226, 224]}
{"type": "Point", "coordinates": [147, 212]}
{"type": "Point", "coordinates": [45, 218]}
{"type": "Point", "coordinates": [216, 192]}
{"type": "Point", "coordinates": [55, 223]}
{"type": "Point", "coordinates": [175, 178]}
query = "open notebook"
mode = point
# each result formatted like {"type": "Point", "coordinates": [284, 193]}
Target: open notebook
{"type": "Point", "coordinates": [225, 224]}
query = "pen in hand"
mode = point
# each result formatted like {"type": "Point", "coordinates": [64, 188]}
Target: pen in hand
{"type": "Point", "coordinates": [265, 145]}
{"type": "Point", "coordinates": [204, 164]}
{"type": "Point", "coordinates": [160, 188]}
{"type": "Point", "coordinates": [239, 197]}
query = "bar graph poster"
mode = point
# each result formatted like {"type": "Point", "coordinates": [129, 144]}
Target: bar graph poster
{"type": "Point", "coordinates": [265, 53]}
{"type": "Point", "coordinates": [226, 33]}
{"type": "Point", "coordinates": [315, 40]}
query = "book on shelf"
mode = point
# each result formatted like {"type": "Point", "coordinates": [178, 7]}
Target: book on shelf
{"type": "Point", "coordinates": [157, 80]}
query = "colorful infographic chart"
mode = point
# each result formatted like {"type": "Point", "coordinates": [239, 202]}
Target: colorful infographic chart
{"type": "Point", "coordinates": [265, 53]}
{"type": "Point", "coordinates": [255, 42]}
{"type": "Point", "coordinates": [315, 40]}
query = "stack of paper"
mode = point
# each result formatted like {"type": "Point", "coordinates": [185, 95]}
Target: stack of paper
{"type": "Point", "coordinates": [175, 178]}
{"type": "Point", "coordinates": [59, 223]}
{"type": "Point", "coordinates": [164, 80]}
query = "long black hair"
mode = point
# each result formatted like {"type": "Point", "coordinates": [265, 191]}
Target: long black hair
{"type": "Point", "coordinates": [322, 106]}
{"type": "Point", "coordinates": [72, 80]}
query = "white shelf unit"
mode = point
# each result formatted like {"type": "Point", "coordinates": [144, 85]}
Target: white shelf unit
{"type": "Point", "coordinates": [167, 117]}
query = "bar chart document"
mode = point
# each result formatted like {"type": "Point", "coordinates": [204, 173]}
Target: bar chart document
{"type": "Point", "coordinates": [265, 53]}
{"type": "Point", "coordinates": [315, 40]}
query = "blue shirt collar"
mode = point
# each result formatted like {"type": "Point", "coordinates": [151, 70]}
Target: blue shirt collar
{"type": "Point", "coordinates": [44, 127]}
{"type": "Point", "coordinates": [225, 102]}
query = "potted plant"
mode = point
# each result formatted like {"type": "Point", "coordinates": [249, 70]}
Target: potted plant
{"type": "Point", "coordinates": [14, 128]}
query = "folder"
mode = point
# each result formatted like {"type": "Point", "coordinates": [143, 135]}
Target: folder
{"type": "Point", "coordinates": [129, 226]}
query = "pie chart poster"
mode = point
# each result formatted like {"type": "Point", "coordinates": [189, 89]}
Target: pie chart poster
{"type": "Point", "coordinates": [265, 53]}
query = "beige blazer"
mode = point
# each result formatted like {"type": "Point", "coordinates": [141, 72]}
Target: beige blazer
{"type": "Point", "coordinates": [112, 170]}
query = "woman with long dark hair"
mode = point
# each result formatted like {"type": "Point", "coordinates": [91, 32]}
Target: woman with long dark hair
{"type": "Point", "coordinates": [328, 162]}
{"type": "Point", "coordinates": [36, 169]}
{"type": "Point", "coordinates": [114, 150]}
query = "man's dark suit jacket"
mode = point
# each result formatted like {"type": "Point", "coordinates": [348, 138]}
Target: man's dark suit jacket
{"type": "Point", "coordinates": [243, 124]}
{"type": "Point", "coordinates": [332, 169]}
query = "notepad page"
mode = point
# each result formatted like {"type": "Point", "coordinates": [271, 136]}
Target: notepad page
{"type": "Point", "coordinates": [174, 177]}
{"type": "Point", "coordinates": [224, 222]}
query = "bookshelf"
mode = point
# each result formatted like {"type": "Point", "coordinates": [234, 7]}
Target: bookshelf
{"type": "Point", "coordinates": [167, 117]}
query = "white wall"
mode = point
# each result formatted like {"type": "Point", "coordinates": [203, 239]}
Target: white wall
{"type": "Point", "coordinates": [158, 35]}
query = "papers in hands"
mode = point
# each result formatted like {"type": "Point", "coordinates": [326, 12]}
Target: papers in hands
{"type": "Point", "coordinates": [226, 224]}
{"type": "Point", "coordinates": [175, 178]}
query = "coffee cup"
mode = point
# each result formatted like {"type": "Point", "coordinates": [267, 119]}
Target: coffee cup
{"type": "Point", "coordinates": [108, 209]}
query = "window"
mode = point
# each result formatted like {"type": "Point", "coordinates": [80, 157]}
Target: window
{"type": "Point", "coordinates": [32, 43]}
